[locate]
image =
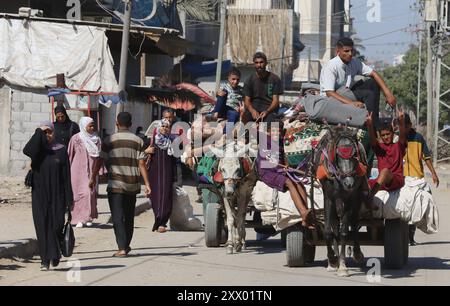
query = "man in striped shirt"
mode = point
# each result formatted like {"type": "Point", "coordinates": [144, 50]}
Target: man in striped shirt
{"type": "Point", "coordinates": [123, 155]}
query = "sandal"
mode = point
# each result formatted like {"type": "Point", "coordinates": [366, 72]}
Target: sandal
{"type": "Point", "coordinates": [162, 229]}
{"type": "Point", "coordinates": [120, 253]}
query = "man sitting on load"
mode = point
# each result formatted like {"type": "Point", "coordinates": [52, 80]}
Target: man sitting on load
{"type": "Point", "coordinates": [337, 81]}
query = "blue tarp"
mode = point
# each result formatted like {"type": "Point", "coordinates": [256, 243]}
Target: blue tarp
{"type": "Point", "coordinates": [203, 69]}
{"type": "Point", "coordinates": [142, 11]}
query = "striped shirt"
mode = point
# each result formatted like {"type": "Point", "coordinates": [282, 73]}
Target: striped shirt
{"type": "Point", "coordinates": [121, 153]}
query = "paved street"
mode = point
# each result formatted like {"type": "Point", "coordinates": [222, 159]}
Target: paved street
{"type": "Point", "coordinates": [181, 258]}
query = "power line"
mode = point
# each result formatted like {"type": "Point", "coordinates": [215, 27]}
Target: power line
{"type": "Point", "coordinates": [390, 32]}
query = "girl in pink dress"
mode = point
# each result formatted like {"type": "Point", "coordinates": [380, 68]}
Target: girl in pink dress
{"type": "Point", "coordinates": [83, 150]}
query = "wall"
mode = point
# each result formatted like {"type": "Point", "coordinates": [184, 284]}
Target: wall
{"type": "Point", "coordinates": [28, 108]}
{"type": "Point", "coordinates": [19, 120]}
{"type": "Point", "coordinates": [5, 117]}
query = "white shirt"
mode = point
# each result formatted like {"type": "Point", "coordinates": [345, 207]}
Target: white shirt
{"type": "Point", "coordinates": [336, 74]}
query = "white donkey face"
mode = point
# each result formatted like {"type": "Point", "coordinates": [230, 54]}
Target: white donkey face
{"type": "Point", "coordinates": [230, 167]}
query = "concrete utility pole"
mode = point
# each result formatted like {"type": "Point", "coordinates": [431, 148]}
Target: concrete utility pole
{"type": "Point", "coordinates": [309, 64]}
{"type": "Point", "coordinates": [430, 87]}
{"type": "Point", "coordinates": [281, 70]}
{"type": "Point", "coordinates": [223, 15]}
{"type": "Point", "coordinates": [124, 51]}
{"type": "Point", "coordinates": [419, 75]}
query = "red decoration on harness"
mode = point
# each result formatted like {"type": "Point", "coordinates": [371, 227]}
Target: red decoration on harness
{"type": "Point", "coordinates": [361, 170]}
{"type": "Point", "coordinates": [218, 177]}
{"type": "Point", "coordinates": [345, 152]}
{"type": "Point", "coordinates": [246, 165]}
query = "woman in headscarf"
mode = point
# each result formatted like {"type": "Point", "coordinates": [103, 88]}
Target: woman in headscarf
{"type": "Point", "coordinates": [161, 175]}
{"type": "Point", "coordinates": [84, 150]}
{"type": "Point", "coordinates": [51, 191]}
{"type": "Point", "coordinates": [64, 127]}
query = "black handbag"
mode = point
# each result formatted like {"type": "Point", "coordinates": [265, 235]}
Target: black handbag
{"type": "Point", "coordinates": [68, 238]}
{"type": "Point", "coordinates": [29, 179]}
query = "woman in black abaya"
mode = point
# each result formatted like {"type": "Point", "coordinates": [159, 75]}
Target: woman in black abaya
{"type": "Point", "coordinates": [64, 127]}
{"type": "Point", "coordinates": [51, 191]}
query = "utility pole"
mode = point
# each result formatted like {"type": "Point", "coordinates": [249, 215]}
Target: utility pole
{"type": "Point", "coordinates": [441, 101]}
{"type": "Point", "coordinates": [419, 77]}
{"type": "Point", "coordinates": [430, 87]}
{"type": "Point", "coordinates": [309, 64]}
{"type": "Point", "coordinates": [124, 51]}
{"type": "Point", "coordinates": [223, 15]}
{"type": "Point", "coordinates": [281, 70]}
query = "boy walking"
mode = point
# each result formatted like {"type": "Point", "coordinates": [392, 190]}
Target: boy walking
{"type": "Point", "coordinates": [417, 151]}
{"type": "Point", "coordinates": [123, 155]}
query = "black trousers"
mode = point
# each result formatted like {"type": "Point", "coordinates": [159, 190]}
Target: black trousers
{"type": "Point", "coordinates": [368, 92]}
{"type": "Point", "coordinates": [122, 208]}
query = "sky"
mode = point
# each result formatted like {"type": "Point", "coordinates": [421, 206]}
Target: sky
{"type": "Point", "coordinates": [394, 15]}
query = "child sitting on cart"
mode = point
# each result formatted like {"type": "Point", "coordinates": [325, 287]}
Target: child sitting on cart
{"type": "Point", "coordinates": [389, 156]}
{"type": "Point", "coordinates": [229, 99]}
{"type": "Point", "coordinates": [273, 172]}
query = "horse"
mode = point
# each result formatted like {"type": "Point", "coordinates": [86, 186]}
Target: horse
{"type": "Point", "coordinates": [342, 173]}
{"type": "Point", "coordinates": [238, 175]}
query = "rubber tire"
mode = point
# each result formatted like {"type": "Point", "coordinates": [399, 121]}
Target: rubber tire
{"type": "Point", "coordinates": [213, 225]}
{"type": "Point", "coordinates": [298, 252]}
{"type": "Point", "coordinates": [395, 237]}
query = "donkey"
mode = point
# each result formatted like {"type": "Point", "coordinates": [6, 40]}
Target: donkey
{"type": "Point", "coordinates": [238, 176]}
{"type": "Point", "coordinates": [342, 173]}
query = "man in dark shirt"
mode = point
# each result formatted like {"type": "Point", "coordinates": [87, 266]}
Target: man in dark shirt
{"type": "Point", "coordinates": [261, 91]}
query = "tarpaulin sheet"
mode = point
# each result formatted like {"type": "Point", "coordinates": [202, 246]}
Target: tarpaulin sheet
{"type": "Point", "coordinates": [33, 52]}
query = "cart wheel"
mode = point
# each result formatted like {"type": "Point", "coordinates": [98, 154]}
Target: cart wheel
{"type": "Point", "coordinates": [298, 252]}
{"type": "Point", "coordinates": [395, 238]}
{"type": "Point", "coordinates": [213, 225]}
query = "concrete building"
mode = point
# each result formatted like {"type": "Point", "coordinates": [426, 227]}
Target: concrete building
{"type": "Point", "coordinates": [322, 23]}
{"type": "Point", "coordinates": [22, 108]}
{"type": "Point", "coordinates": [270, 26]}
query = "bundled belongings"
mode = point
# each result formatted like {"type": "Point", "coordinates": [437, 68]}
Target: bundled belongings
{"type": "Point", "coordinates": [182, 217]}
{"type": "Point", "coordinates": [300, 139]}
{"type": "Point", "coordinates": [412, 203]}
{"type": "Point", "coordinates": [277, 208]}
{"type": "Point", "coordinates": [333, 111]}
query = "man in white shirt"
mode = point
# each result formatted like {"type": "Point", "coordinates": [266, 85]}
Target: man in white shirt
{"type": "Point", "coordinates": [337, 81]}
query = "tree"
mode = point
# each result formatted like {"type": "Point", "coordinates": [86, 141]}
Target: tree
{"type": "Point", "coordinates": [402, 80]}
{"type": "Point", "coordinates": [203, 10]}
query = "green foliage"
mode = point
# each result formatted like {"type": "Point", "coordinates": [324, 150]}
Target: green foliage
{"type": "Point", "coordinates": [402, 80]}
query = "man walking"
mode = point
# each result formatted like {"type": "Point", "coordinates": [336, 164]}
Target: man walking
{"type": "Point", "coordinates": [123, 155]}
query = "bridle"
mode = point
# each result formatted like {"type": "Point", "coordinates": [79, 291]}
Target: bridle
{"type": "Point", "coordinates": [349, 151]}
